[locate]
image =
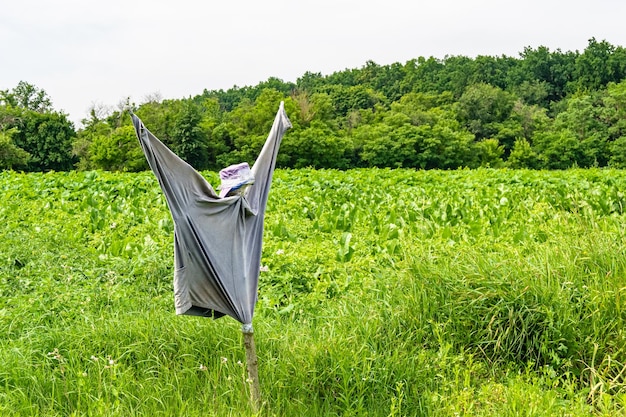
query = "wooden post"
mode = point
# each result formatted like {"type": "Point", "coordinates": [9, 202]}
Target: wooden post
{"type": "Point", "coordinates": [252, 366]}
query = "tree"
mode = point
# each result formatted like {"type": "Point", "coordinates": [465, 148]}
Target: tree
{"type": "Point", "coordinates": [317, 146]}
{"type": "Point", "coordinates": [531, 118]}
{"type": "Point", "coordinates": [310, 81]}
{"type": "Point", "coordinates": [553, 71]}
{"type": "Point", "coordinates": [482, 107]}
{"type": "Point", "coordinates": [532, 92]}
{"type": "Point", "coordinates": [82, 147]}
{"type": "Point", "coordinates": [418, 106]}
{"type": "Point", "coordinates": [523, 156]}
{"type": "Point", "coordinates": [618, 153]}
{"type": "Point", "coordinates": [28, 97]}
{"type": "Point", "coordinates": [454, 76]}
{"type": "Point", "coordinates": [189, 139]}
{"type": "Point", "coordinates": [47, 137]}
{"type": "Point", "coordinates": [492, 70]}
{"type": "Point", "coordinates": [444, 145]}
{"type": "Point", "coordinates": [598, 65]}
{"type": "Point", "coordinates": [383, 146]}
{"type": "Point", "coordinates": [11, 156]}
{"type": "Point", "coordinates": [489, 153]}
{"type": "Point", "coordinates": [424, 75]}
{"type": "Point", "coordinates": [584, 118]}
{"type": "Point", "coordinates": [395, 142]}
{"type": "Point", "coordinates": [614, 104]}
{"type": "Point", "coordinates": [245, 129]}
{"type": "Point", "coordinates": [118, 150]}
{"type": "Point", "coordinates": [557, 149]}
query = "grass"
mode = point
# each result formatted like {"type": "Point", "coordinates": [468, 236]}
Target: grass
{"type": "Point", "coordinates": [386, 293]}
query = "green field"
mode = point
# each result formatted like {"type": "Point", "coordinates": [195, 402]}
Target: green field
{"type": "Point", "coordinates": [383, 293]}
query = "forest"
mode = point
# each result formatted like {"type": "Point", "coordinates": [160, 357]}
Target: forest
{"type": "Point", "coordinates": [541, 110]}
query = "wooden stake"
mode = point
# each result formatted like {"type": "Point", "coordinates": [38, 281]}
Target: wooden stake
{"type": "Point", "coordinates": [252, 365]}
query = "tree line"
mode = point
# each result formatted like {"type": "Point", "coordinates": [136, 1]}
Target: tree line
{"type": "Point", "coordinates": [542, 110]}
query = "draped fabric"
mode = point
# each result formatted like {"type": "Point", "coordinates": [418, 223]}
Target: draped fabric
{"type": "Point", "coordinates": [217, 241]}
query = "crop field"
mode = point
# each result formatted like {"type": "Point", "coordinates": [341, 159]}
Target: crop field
{"type": "Point", "coordinates": [382, 293]}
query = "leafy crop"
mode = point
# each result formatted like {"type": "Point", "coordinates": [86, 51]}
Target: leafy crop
{"type": "Point", "coordinates": [382, 292]}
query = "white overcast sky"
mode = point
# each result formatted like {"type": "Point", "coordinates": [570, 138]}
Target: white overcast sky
{"type": "Point", "coordinates": [85, 52]}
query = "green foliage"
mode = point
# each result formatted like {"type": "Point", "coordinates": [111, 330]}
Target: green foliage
{"type": "Point", "coordinates": [523, 156]}
{"type": "Point", "coordinates": [570, 102]}
{"type": "Point", "coordinates": [584, 118]}
{"type": "Point", "coordinates": [27, 97]}
{"type": "Point", "coordinates": [490, 153]}
{"type": "Point", "coordinates": [47, 137]}
{"type": "Point", "coordinates": [618, 153]}
{"type": "Point", "coordinates": [559, 149]}
{"type": "Point", "coordinates": [383, 146]}
{"type": "Point", "coordinates": [190, 140]}
{"type": "Point", "coordinates": [436, 141]}
{"type": "Point", "coordinates": [317, 147]}
{"type": "Point", "coordinates": [11, 156]}
{"type": "Point", "coordinates": [94, 131]}
{"type": "Point", "coordinates": [117, 150]}
{"type": "Point", "coordinates": [547, 73]}
{"type": "Point", "coordinates": [482, 107]}
{"type": "Point", "coordinates": [599, 64]}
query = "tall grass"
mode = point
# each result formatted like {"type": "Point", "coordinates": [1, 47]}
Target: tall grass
{"type": "Point", "coordinates": [384, 293]}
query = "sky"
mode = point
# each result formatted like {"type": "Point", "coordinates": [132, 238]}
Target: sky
{"type": "Point", "coordinates": [86, 53]}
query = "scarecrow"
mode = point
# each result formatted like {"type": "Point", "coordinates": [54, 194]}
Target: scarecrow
{"type": "Point", "coordinates": [217, 237]}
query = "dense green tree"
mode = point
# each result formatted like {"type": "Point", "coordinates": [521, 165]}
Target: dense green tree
{"type": "Point", "coordinates": [444, 145]}
{"type": "Point", "coordinates": [553, 71]}
{"type": "Point", "coordinates": [482, 108]}
{"type": "Point", "coordinates": [346, 99]}
{"type": "Point", "coordinates": [383, 146]}
{"type": "Point", "coordinates": [618, 153]}
{"type": "Point", "coordinates": [256, 117]}
{"type": "Point", "coordinates": [614, 115]}
{"type": "Point", "coordinates": [531, 119]}
{"type": "Point", "coordinates": [385, 79]}
{"type": "Point", "coordinates": [506, 133]}
{"type": "Point", "coordinates": [82, 148]}
{"type": "Point", "coordinates": [310, 82]}
{"type": "Point", "coordinates": [117, 150]}
{"type": "Point", "coordinates": [454, 76]}
{"type": "Point", "coordinates": [532, 92]}
{"type": "Point", "coordinates": [492, 70]}
{"type": "Point", "coordinates": [543, 109]}
{"type": "Point", "coordinates": [396, 142]}
{"type": "Point", "coordinates": [558, 149]}
{"type": "Point", "coordinates": [11, 156]}
{"type": "Point", "coordinates": [584, 118]}
{"type": "Point", "coordinates": [523, 156]}
{"type": "Point", "coordinates": [28, 97]}
{"type": "Point", "coordinates": [47, 137]}
{"type": "Point", "coordinates": [189, 140]}
{"type": "Point", "coordinates": [317, 146]}
{"type": "Point", "coordinates": [304, 109]}
{"type": "Point", "coordinates": [231, 98]}
{"type": "Point", "coordinates": [246, 127]}
{"type": "Point", "coordinates": [159, 117]}
{"type": "Point", "coordinates": [417, 106]}
{"type": "Point", "coordinates": [600, 64]}
{"type": "Point", "coordinates": [424, 75]}
{"type": "Point", "coordinates": [489, 153]}
{"type": "Point", "coordinates": [216, 143]}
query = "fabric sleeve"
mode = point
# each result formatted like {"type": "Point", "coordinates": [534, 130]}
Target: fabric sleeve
{"type": "Point", "coordinates": [178, 180]}
{"type": "Point", "coordinates": [263, 168]}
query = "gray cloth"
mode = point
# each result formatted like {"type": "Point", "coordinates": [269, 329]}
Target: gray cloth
{"type": "Point", "coordinates": [217, 241]}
